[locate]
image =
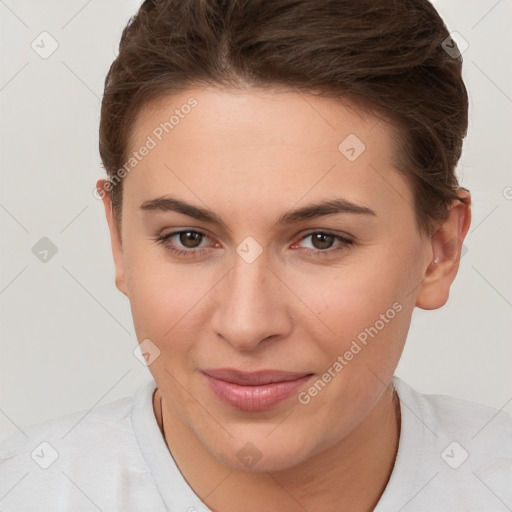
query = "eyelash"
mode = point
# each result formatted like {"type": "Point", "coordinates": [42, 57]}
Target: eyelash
{"type": "Point", "coordinates": [346, 243]}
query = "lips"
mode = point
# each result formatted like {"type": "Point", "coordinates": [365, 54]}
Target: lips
{"type": "Point", "coordinates": [254, 378]}
{"type": "Point", "coordinates": [254, 391]}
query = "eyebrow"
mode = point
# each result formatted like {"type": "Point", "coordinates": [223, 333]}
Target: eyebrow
{"type": "Point", "coordinates": [330, 207]}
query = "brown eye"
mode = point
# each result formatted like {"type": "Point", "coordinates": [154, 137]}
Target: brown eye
{"type": "Point", "coordinates": [322, 240]}
{"type": "Point", "coordinates": [324, 244]}
{"type": "Point", "coordinates": [190, 239]}
{"type": "Point", "coordinates": [186, 243]}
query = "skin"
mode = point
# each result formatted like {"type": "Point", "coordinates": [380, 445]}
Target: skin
{"type": "Point", "coordinates": [250, 156]}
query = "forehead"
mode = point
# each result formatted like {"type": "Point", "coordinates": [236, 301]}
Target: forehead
{"type": "Point", "coordinates": [264, 115]}
{"type": "Point", "coordinates": [272, 144]}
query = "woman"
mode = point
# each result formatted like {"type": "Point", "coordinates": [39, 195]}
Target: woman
{"type": "Point", "coordinates": [281, 195]}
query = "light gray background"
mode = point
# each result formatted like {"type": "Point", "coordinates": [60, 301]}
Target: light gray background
{"type": "Point", "coordinates": [67, 337]}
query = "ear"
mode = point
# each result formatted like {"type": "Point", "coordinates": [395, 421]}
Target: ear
{"type": "Point", "coordinates": [102, 187]}
{"type": "Point", "coordinates": [446, 249]}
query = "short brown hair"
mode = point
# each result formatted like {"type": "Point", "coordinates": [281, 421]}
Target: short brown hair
{"type": "Point", "coordinates": [386, 56]}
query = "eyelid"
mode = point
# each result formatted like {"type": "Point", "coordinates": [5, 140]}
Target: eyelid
{"type": "Point", "coordinates": [345, 236]}
{"type": "Point", "coordinates": [178, 230]}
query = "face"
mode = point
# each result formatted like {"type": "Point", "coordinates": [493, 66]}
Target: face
{"type": "Point", "coordinates": [223, 272]}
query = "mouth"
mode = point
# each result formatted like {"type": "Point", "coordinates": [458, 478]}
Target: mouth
{"type": "Point", "coordinates": [254, 391]}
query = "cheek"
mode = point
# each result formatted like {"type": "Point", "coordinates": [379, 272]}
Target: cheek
{"type": "Point", "coordinates": [367, 302]}
{"type": "Point", "coordinates": [164, 297]}
{"type": "Point", "coordinates": [353, 295]}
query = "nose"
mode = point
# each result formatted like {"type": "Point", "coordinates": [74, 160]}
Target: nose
{"type": "Point", "coordinates": [251, 305]}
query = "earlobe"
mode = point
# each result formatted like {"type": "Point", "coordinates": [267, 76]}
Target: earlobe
{"type": "Point", "coordinates": [446, 245]}
{"type": "Point", "coordinates": [115, 237]}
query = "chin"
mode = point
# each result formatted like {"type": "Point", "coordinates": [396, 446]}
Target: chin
{"type": "Point", "coordinates": [261, 456]}
{"type": "Point", "coordinates": [273, 463]}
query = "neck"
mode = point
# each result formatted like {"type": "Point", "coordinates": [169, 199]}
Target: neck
{"type": "Point", "coordinates": [352, 475]}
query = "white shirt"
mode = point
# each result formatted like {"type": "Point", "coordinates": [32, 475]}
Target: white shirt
{"type": "Point", "coordinates": [453, 455]}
